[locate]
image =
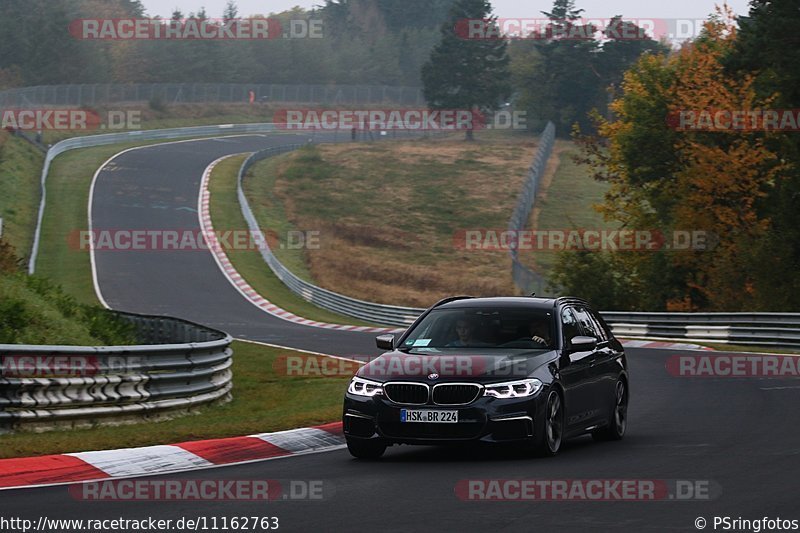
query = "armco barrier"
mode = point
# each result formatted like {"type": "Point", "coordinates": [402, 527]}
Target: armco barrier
{"type": "Point", "coordinates": [179, 366]}
{"type": "Point", "coordinates": [753, 329]}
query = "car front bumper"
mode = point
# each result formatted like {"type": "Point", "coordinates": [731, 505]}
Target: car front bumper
{"type": "Point", "coordinates": [487, 419]}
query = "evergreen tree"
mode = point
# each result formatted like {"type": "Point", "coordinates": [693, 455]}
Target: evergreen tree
{"type": "Point", "coordinates": [465, 73]}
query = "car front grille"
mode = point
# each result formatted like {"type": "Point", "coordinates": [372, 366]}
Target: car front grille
{"type": "Point", "coordinates": [456, 393]}
{"type": "Point", "coordinates": [406, 393]}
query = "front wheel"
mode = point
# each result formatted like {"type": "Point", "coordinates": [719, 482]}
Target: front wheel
{"type": "Point", "coordinates": [618, 420]}
{"type": "Point", "coordinates": [366, 449]}
{"type": "Point", "coordinates": [551, 432]}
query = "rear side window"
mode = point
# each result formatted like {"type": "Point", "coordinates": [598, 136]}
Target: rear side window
{"type": "Point", "coordinates": [603, 333]}
{"type": "Point", "coordinates": [569, 325]}
{"type": "Point", "coordinates": [587, 324]}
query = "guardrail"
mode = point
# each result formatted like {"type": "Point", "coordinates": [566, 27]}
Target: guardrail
{"type": "Point", "coordinates": [524, 278]}
{"type": "Point", "coordinates": [180, 365]}
{"type": "Point", "coordinates": [754, 329]}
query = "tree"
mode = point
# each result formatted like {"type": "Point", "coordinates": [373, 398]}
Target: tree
{"type": "Point", "coordinates": [687, 180]}
{"type": "Point", "coordinates": [565, 71]}
{"type": "Point", "coordinates": [768, 45]}
{"type": "Point", "coordinates": [231, 11]}
{"type": "Point", "coordinates": [467, 74]}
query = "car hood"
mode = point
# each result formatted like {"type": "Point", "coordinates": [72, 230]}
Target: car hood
{"type": "Point", "coordinates": [457, 365]}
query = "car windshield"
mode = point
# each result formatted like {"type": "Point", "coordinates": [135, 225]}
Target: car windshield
{"type": "Point", "coordinates": [473, 328]}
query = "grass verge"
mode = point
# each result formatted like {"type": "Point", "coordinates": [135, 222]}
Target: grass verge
{"type": "Point", "coordinates": [226, 215]}
{"type": "Point", "coordinates": [20, 168]}
{"type": "Point", "coordinates": [264, 400]}
{"type": "Point", "coordinates": [565, 202]}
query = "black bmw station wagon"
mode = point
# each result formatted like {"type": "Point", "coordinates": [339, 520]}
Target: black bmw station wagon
{"type": "Point", "coordinates": [529, 370]}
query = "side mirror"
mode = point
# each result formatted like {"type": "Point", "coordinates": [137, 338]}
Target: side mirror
{"type": "Point", "coordinates": [582, 344]}
{"type": "Point", "coordinates": [385, 342]}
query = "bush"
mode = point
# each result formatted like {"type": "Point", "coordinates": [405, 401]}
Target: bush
{"type": "Point", "coordinates": [157, 104]}
{"type": "Point", "coordinates": [14, 317]}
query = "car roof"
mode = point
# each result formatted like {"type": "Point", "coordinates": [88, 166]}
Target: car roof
{"type": "Point", "coordinates": [503, 302]}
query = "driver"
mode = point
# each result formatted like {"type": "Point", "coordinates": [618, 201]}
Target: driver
{"type": "Point", "coordinates": [465, 332]}
{"type": "Point", "coordinates": [539, 332]}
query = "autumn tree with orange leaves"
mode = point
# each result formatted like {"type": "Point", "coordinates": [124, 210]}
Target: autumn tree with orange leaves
{"type": "Point", "coordinates": [671, 176]}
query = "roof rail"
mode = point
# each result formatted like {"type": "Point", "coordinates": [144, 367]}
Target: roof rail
{"type": "Point", "coordinates": [451, 299]}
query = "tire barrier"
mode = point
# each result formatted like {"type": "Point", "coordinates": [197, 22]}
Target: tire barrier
{"type": "Point", "coordinates": [179, 365]}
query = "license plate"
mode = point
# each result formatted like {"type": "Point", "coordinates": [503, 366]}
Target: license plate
{"type": "Point", "coordinates": [426, 416]}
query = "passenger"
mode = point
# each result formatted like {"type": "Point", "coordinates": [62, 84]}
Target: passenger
{"type": "Point", "coordinates": [465, 332]}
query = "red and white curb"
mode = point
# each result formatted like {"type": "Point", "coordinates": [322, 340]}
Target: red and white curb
{"type": "Point", "coordinates": [152, 460]}
{"type": "Point", "coordinates": [240, 284]}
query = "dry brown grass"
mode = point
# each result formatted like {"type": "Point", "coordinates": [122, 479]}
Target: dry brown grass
{"type": "Point", "coordinates": [388, 215]}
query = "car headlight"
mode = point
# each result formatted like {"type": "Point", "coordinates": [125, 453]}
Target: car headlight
{"type": "Point", "coordinates": [514, 389]}
{"type": "Point", "coordinates": [365, 387]}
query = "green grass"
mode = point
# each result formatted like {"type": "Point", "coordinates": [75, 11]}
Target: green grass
{"type": "Point", "coordinates": [225, 214]}
{"type": "Point", "coordinates": [264, 400]}
{"type": "Point", "coordinates": [34, 311]}
{"type": "Point", "coordinates": [568, 205]}
{"type": "Point", "coordinates": [20, 168]}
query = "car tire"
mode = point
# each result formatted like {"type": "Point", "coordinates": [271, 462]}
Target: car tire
{"type": "Point", "coordinates": [618, 419]}
{"type": "Point", "coordinates": [551, 430]}
{"type": "Point", "coordinates": [366, 449]}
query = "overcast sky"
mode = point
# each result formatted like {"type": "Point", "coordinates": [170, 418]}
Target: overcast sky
{"type": "Point", "coordinates": [678, 9]}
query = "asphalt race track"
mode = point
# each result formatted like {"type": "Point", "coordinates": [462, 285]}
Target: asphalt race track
{"type": "Point", "coordinates": [157, 188]}
{"type": "Point", "coordinates": [740, 436]}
